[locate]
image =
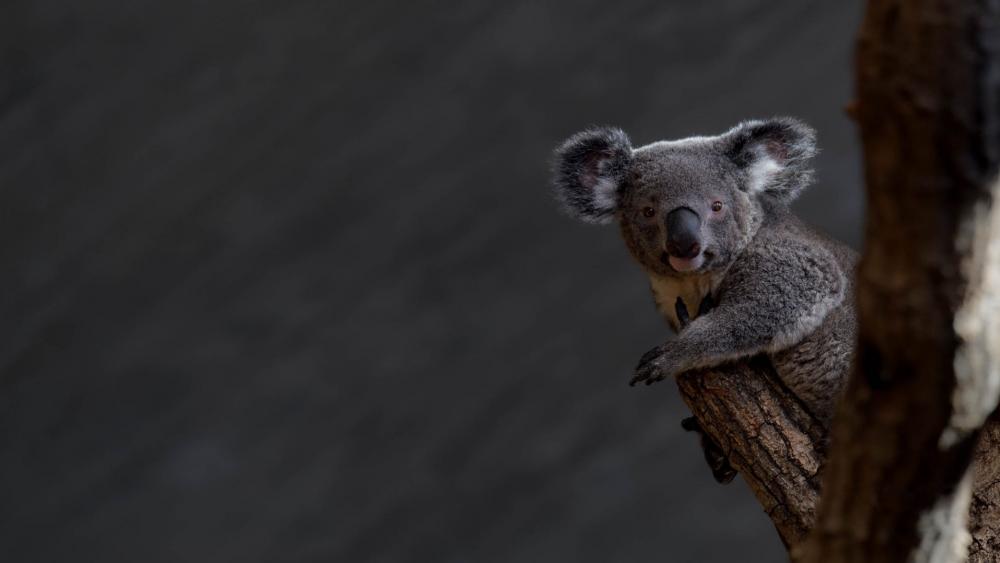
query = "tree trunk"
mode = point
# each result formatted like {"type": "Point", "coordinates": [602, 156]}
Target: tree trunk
{"type": "Point", "coordinates": [984, 521]}
{"type": "Point", "coordinates": [898, 486]}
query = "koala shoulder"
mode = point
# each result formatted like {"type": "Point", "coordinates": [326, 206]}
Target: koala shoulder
{"type": "Point", "coordinates": [794, 276]}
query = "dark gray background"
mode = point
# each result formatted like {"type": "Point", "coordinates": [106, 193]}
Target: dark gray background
{"type": "Point", "coordinates": [282, 280]}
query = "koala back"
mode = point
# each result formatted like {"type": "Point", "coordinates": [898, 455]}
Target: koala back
{"type": "Point", "coordinates": [787, 257]}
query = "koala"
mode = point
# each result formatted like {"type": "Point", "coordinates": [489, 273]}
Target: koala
{"type": "Point", "coordinates": [735, 273]}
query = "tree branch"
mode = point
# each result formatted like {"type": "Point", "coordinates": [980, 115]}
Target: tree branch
{"type": "Point", "coordinates": [777, 447]}
{"type": "Point", "coordinates": [768, 436]}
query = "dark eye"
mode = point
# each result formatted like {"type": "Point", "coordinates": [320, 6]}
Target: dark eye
{"type": "Point", "coordinates": [717, 206]}
{"type": "Point", "coordinates": [648, 211]}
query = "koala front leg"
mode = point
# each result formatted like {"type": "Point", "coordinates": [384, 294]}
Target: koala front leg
{"type": "Point", "coordinates": [724, 334]}
{"type": "Point", "coordinates": [756, 314]}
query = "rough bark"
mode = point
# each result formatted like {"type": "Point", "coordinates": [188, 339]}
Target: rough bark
{"type": "Point", "coordinates": [778, 449]}
{"type": "Point", "coordinates": [984, 521]}
{"type": "Point", "coordinates": [767, 435]}
{"type": "Point", "coordinates": [898, 486]}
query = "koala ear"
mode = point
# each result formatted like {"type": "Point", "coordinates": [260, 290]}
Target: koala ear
{"type": "Point", "coordinates": [588, 171]}
{"type": "Point", "coordinates": [775, 155]}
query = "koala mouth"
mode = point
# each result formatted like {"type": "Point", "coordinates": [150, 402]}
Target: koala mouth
{"type": "Point", "coordinates": [684, 264]}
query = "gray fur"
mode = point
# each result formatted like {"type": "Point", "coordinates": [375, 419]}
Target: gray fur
{"type": "Point", "coordinates": [588, 172]}
{"type": "Point", "coordinates": [780, 288]}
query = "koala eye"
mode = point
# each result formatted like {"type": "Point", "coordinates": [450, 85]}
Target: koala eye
{"type": "Point", "coordinates": [717, 206]}
{"type": "Point", "coordinates": [648, 211]}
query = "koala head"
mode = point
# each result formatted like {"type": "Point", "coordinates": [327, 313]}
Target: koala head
{"type": "Point", "coordinates": [689, 206]}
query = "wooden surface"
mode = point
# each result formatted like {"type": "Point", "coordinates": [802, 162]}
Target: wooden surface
{"type": "Point", "coordinates": [779, 450]}
{"type": "Point", "coordinates": [768, 436]}
{"type": "Point", "coordinates": [898, 476]}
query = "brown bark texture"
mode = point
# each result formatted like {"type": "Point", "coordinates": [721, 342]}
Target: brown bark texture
{"type": "Point", "coordinates": [777, 447]}
{"type": "Point", "coordinates": [767, 435]}
{"type": "Point", "coordinates": [984, 519]}
{"type": "Point", "coordinates": [898, 485]}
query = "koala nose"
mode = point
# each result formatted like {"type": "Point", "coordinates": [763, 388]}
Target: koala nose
{"type": "Point", "coordinates": [683, 227]}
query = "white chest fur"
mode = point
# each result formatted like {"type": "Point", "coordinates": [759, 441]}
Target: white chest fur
{"type": "Point", "coordinates": [690, 289]}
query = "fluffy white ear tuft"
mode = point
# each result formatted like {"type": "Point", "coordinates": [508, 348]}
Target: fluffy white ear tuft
{"type": "Point", "coordinates": [588, 172]}
{"type": "Point", "coordinates": [761, 173]}
{"type": "Point", "coordinates": [606, 194]}
{"type": "Point", "coordinates": [775, 155]}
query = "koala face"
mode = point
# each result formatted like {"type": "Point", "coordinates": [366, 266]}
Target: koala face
{"type": "Point", "coordinates": [681, 209]}
{"type": "Point", "coordinates": [685, 207]}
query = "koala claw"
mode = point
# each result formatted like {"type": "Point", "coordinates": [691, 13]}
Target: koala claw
{"type": "Point", "coordinates": [717, 461]}
{"type": "Point", "coordinates": [707, 304]}
{"type": "Point", "coordinates": [683, 318]}
{"type": "Point", "coordinates": [649, 369]}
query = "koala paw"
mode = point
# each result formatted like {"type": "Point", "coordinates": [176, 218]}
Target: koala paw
{"type": "Point", "coordinates": [717, 461]}
{"type": "Point", "coordinates": [650, 368]}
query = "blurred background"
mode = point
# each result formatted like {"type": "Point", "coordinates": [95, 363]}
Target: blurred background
{"type": "Point", "coordinates": [283, 280]}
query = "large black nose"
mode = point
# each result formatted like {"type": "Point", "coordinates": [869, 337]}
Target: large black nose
{"type": "Point", "coordinates": [683, 227]}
